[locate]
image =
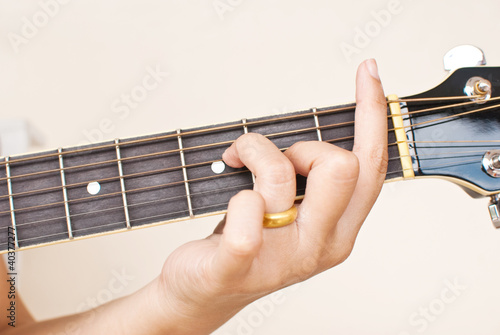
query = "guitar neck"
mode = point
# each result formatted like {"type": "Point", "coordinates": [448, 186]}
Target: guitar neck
{"type": "Point", "coordinates": [77, 192]}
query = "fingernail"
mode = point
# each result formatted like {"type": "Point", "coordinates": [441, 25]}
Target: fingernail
{"type": "Point", "coordinates": [371, 64]}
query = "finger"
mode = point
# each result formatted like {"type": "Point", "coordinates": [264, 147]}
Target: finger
{"type": "Point", "coordinates": [370, 145]}
{"type": "Point", "coordinates": [332, 175]}
{"type": "Point", "coordinates": [275, 176]}
{"type": "Point", "coordinates": [220, 227]}
{"type": "Point", "coordinates": [242, 236]}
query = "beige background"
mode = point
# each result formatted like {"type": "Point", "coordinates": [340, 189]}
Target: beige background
{"type": "Point", "coordinates": [259, 58]}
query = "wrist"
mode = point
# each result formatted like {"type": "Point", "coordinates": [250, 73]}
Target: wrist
{"type": "Point", "coordinates": [192, 311]}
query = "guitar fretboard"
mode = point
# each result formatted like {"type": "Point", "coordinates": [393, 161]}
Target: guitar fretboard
{"type": "Point", "coordinates": [75, 192]}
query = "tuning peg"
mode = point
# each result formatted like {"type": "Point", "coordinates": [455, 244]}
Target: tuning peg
{"type": "Point", "coordinates": [494, 210]}
{"type": "Point", "coordinates": [463, 56]}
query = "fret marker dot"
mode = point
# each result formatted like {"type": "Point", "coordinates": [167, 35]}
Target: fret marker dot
{"type": "Point", "coordinates": [94, 188]}
{"type": "Point", "coordinates": [218, 167]}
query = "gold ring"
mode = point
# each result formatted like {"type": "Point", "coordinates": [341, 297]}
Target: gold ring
{"type": "Point", "coordinates": [276, 220]}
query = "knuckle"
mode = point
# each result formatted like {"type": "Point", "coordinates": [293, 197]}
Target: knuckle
{"type": "Point", "coordinates": [376, 158]}
{"type": "Point", "coordinates": [242, 246]}
{"type": "Point", "coordinates": [248, 144]}
{"type": "Point", "coordinates": [342, 255]}
{"type": "Point", "coordinates": [248, 198]}
{"type": "Point", "coordinates": [280, 171]}
{"type": "Point", "coordinates": [379, 159]}
{"type": "Point", "coordinates": [309, 266]}
{"type": "Point", "coordinates": [248, 138]}
{"type": "Point", "coordinates": [341, 250]}
{"type": "Point", "coordinates": [377, 102]}
{"type": "Point", "coordinates": [344, 163]}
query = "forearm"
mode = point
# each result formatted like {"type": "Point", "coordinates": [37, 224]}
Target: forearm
{"type": "Point", "coordinates": [136, 314]}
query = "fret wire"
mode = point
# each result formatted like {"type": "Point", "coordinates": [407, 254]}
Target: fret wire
{"type": "Point", "coordinates": [316, 122]}
{"type": "Point", "coordinates": [122, 184]}
{"type": "Point", "coordinates": [11, 201]}
{"type": "Point", "coordinates": [245, 130]}
{"type": "Point", "coordinates": [65, 194]}
{"type": "Point", "coordinates": [184, 173]}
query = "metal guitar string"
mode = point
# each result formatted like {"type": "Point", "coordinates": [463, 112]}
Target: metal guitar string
{"type": "Point", "coordinates": [180, 182]}
{"type": "Point", "coordinates": [179, 197]}
{"type": "Point", "coordinates": [123, 222]}
{"type": "Point", "coordinates": [228, 142]}
{"type": "Point", "coordinates": [313, 128]}
{"type": "Point", "coordinates": [226, 127]}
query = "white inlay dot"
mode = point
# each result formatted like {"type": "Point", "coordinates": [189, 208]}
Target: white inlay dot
{"type": "Point", "coordinates": [218, 167]}
{"type": "Point", "coordinates": [94, 188]}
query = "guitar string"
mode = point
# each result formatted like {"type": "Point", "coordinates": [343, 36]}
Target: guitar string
{"type": "Point", "coordinates": [200, 164]}
{"type": "Point", "coordinates": [350, 106]}
{"type": "Point", "coordinates": [56, 188]}
{"type": "Point", "coordinates": [239, 187]}
{"type": "Point", "coordinates": [396, 157]}
{"type": "Point", "coordinates": [144, 203]}
{"type": "Point", "coordinates": [226, 142]}
{"type": "Point", "coordinates": [171, 169]}
{"type": "Point", "coordinates": [182, 197]}
{"type": "Point", "coordinates": [134, 220]}
{"type": "Point", "coordinates": [222, 175]}
{"type": "Point", "coordinates": [153, 216]}
{"type": "Point", "coordinates": [162, 186]}
{"type": "Point", "coordinates": [175, 151]}
{"type": "Point", "coordinates": [172, 198]}
{"type": "Point", "coordinates": [121, 208]}
{"type": "Point", "coordinates": [303, 130]}
{"type": "Point", "coordinates": [122, 222]}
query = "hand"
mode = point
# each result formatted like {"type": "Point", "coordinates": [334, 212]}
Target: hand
{"type": "Point", "coordinates": [204, 283]}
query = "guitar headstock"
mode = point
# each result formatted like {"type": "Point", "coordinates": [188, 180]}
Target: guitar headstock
{"type": "Point", "coordinates": [455, 131]}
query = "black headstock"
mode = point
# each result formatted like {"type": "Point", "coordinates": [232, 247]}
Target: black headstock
{"type": "Point", "coordinates": [451, 133]}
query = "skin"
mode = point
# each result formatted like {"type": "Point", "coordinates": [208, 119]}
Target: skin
{"type": "Point", "coordinates": [204, 283]}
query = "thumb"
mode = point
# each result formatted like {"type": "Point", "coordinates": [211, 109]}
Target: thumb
{"type": "Point", "coordinates": [242, 236]}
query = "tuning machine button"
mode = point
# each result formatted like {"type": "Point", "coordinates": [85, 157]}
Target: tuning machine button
{"type": "Point", "coordinates": [491, 163]}
{"type": "Point", "coordinates": [463, 56]}
{"type": "Point", "coordinates": [494, 210]}
{"type": "Point", "coordinates": [479, 89]}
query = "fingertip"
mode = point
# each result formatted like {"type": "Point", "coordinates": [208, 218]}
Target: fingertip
{"type": "Point", "coordinates": [372, 68]}
{"type": "Point", "coordinates": [230, 157]}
